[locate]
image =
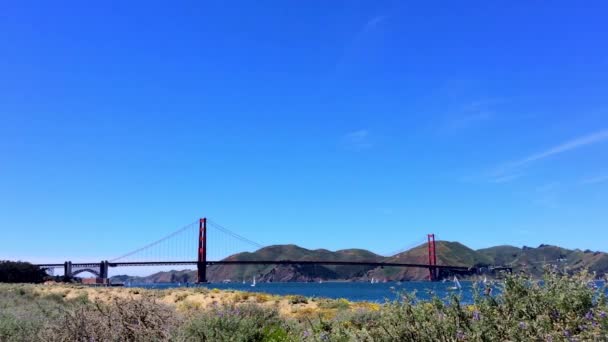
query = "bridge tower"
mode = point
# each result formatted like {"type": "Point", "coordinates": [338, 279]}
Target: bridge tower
{"type": "Point", "coordinates": [103, 271]}
{"type": "Point", "coordinates": [67, 269]}
{"type": "Point", "coordinates": [432, 257]}
{"type": "Point", "coordinates": [201, 264]}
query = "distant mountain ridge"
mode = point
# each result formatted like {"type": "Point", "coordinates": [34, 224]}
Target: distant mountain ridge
{"type": "Point", "coordinates": [532, 260]}
{"type": "Point", "coordinates": [527, 259]}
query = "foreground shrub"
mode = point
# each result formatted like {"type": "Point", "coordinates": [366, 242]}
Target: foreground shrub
{"type": "Point", "coordinates": [14, 329]}
{"type": "Point", "coordinates": [558, 308]}
{"type": "Point", "coordinates": [121, 320]}
{"type": "Point", "coordinates": [248, 322]}
{"type": "Point", "coordinates": [23, 312]}
{"type": "Point", "coordinates": [297, 299]}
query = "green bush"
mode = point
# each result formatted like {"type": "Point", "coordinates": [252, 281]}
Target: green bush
{"type": "Point", "coordinates": [340, 304]}
{"type": "Point", "coordinates": [248, 322]}
{"type": "Point", "coordinates": [23, 313]}
{"type": "Point", "coordinates": [558, 308]}
{"type": "Point", "coordinates": [298, 300]}
{"type": "Point", "coordinates": [121, 320]}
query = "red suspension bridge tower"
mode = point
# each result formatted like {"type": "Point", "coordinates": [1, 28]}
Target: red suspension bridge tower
{"type": "Point", "coordinates": [432, 257]}
{"type": "Point", "coordinates": [201, 264]}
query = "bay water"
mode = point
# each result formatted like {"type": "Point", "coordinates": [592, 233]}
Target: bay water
{"type": "Point", "coordinates": [352, 291]}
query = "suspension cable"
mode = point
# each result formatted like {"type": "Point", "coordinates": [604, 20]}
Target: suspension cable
{"type": "Point", "coordinates": [155, 242]}
{"type": "Point", "coordinates": [233, 234]}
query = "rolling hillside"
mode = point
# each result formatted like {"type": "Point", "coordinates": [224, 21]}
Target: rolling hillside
{"type": "Point", "coordinates": [448, 253]}
{"type": "Point", "coordinates": [295, 272]}
{"type": "Point", "coordinates": [527, 259]}
{"type": "Point", "coordinates": [533, 260]}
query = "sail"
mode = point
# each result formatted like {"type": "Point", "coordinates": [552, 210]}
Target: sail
{"type": "Point", "coordinates": [457, 283]}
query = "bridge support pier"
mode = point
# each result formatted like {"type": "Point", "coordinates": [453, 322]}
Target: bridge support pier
{"type": "Point", "coordinates": [201, 264]}
{"type": "Point", "coordinates": [103, 271]}
{"type": "Point", "coordinates": [67, 269]}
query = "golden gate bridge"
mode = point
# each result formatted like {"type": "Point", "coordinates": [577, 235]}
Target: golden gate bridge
{"type": "Point", "coordinates": [178, 247]}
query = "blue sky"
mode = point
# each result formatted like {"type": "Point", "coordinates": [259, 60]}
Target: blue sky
{"type": "Point", "coordinates": [329, 124]}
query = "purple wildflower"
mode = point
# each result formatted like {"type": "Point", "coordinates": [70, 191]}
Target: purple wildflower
{"type": "Point", "coordinates": [476, 315]}
{"type": "Point", "coordinates": [589, 316]}
{"type": "Point", "coordinates": [603, 314]}
{"type": "Point", "coordinates": [566, 333]}
{"type": "Point", "coordinates": [549, 338]}
{"type": "Point", "coordinates": [522, 325]}
{"type": "Point", "coordinates": [306, 333]}
{"type": "Point", "coordinates": [460, 335]}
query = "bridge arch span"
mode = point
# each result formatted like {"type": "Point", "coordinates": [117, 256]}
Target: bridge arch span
{"type": "Point", "coordinates": [92, 271]}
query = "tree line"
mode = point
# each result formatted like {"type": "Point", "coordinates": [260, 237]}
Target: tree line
{"type": "Point", "coordinates": [20, 272]}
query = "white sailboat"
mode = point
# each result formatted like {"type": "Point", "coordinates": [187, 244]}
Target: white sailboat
{"type": "Point", "coordinates": [253, 284]}
{"type": "Point", "coordinates": [372, 281]}
{"type": "Point", "coordinates": [456, 286]}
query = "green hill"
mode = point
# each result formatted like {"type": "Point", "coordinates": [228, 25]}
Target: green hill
{"type": "Point", "coordinates": [502, 255]}
{"type": "Point", "coordinates": [292, 272]}
{"type": "Point", "coordinates": [527, 259]}
{"type": "Point", "coordinates": [448, 253]}
{"type": "Point", "coordinates": [173, 276]}
{"type": "Point", "coordinates": [533, 260]}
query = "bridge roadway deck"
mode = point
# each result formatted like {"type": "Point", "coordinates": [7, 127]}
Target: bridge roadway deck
{"type": "Point", "coordinates": [265, 262]}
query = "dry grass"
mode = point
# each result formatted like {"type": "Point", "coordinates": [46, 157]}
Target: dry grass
{"type": "Point", "coordinates": [189, 299]}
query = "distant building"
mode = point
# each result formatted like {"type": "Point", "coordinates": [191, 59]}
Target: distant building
{"type": "Point", "coordinates": [94, 281]}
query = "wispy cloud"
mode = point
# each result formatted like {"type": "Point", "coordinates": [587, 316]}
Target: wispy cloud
{"type": "Point", "coordinates": [595, 180]}
{"type": "Point", "coordinates": [565, 147]}
{"type": "Point", "coordinates": [512, 170]}
{"type": "Point", "coordinates": [357, 140]}
{"type": "Point", "coordinates": [468, 115]}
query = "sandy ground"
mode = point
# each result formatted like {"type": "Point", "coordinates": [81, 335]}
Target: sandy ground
{"type": "Point", "coordinates": [184, 299]}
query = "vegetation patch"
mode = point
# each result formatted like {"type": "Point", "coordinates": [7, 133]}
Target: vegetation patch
{"type": "Point", "coordinates": [558, 308]}
{"type": "Point", "coordinates": [297, 300]}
